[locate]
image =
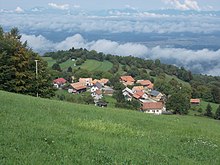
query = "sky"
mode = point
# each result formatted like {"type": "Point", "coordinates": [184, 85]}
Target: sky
{"type": "Point", "coordinates": [109, 4]}
{"type": "Point", "coordinates": [135, 27]}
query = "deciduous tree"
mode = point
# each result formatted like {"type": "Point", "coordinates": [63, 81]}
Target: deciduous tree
{"type": "Point", "coordinates": [18, 67]}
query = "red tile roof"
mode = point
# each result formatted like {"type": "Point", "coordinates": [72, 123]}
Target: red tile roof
{"type": "Point", "coordinates": [140, 93]}
{"type": "Point", "coordinates": [59, 81]}
{"type": "Point", "coordinates": [127, 78]}
{"type": "Point", "coordinates": [136, 96]}
{"type": "Point", "coordinates": [194, 100]}
{"type": "Point", "coordinates": [152, 105]}
{"type": "Point", "coordinates": [151, 86]}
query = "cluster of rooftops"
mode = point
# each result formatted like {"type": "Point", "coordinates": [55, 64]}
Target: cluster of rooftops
{"type": "Point", "coordinates": [151, 101]}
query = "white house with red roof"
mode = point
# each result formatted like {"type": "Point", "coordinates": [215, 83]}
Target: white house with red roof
{"type": "Point", "coordinates": [59, 82]}
{"type": "Point", "coordinates": [153, 107]}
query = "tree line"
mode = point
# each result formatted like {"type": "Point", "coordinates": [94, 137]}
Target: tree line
{"type": "Point", "coordinates": [18, 67]}
{"type": "Point", "coordinates": [202, 86]}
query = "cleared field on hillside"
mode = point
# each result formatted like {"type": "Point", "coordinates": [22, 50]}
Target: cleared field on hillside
{"type": "Point", "coordinates": [50, 61]}
{"type": "Point", "coordinates": [69, 63]}
{"type": "Point", "coordinates": [43, 131]}
{"type": "Point", "coordinates": [93, 65]}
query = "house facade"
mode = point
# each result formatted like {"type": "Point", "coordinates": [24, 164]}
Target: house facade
{"type": "Point", "coordinates": [59, 83]}
{"type": "Point", "coordinates": [153, 107]}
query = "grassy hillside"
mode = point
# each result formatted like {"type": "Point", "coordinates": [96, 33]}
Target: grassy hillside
{"type": "Point", "coordinates": [94, 65]}
{"type": "Point", "coordinates": [91, 65]}
{"type": "Point", "coordinates": [50, 61]}
{"type": "Point", "coordinates": [40, 131]}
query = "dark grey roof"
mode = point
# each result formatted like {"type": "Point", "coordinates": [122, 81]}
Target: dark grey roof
{"type": "Point", "coordinates": [98, 85]}
{"type": "Point", "coordinates": [154, 93]}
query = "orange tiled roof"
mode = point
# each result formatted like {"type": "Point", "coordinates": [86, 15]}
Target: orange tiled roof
{"type": "Point", "coordinates": [78, 86]}
{"type": "Point", "coordinates": [136, 96]}
{"type": "Point", "coordinates": [151, 86]}
{"type": "Point", "coordinates": [83, 80]}
{"type": "Point", "coordinates": [128, 83]}
{"type": "Point", "coordinates": [127, 78]}
{"type": "Point", "coordinates": [104, 80]}
{"type": "Point", "coordinates": [138, 88]}
{"type": "Point", "coordinates": [140, 93]}
{"type": "Point", "coordinates": [152, 105]}
{"type": "Point", "coordinates": [144, 82]}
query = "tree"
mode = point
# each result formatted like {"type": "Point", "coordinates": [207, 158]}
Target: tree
{"type": "Point", "coordinates": [135, 104]}
{"type": "Point", "coordinates": [208, 111]}
{"type": "Point", "coordinates": [18, 68]}
{"type": "Point", "coordinates": [216, 94]}
{"type": "Point", "coordinates": [88, 99]}
{"type": "Point", "coordinates": [69, 69]}
{"type": "Point", "coordinates": [217, 113]}
{"type": "Point", "coordinates": [119, 96]}
{"type": "Point", "coordinates": [56, 67]}
{"type": "Point", "coordinates": [179, 103]}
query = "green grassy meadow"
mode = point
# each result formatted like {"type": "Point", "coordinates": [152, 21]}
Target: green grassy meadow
{"type": "Point", "coordinates": [94, 65]}
{"type": "Point", "coordinates": [43, 131]}
{"type": "Point", "coordinates": [91, 65]}
{"type": "Point", "coordinates": [203, 105]}
{"type": "Point", "coordinates": [49, 60]}
{"type": "Point", "coordinates": [65, 65]}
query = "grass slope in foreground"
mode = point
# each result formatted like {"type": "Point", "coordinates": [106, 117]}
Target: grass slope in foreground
{"type": "Point", "coordinates": [41, 131]}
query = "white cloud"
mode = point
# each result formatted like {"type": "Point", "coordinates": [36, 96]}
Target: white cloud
{"type": "Point", "coordinates": [76, 6]}
{"type": "Point", "coordinates": [112, 47]}
{"type": "Point", "coordinates": [201, 61]}
{"type": "Point", "coordinates": [61, 7]}
{"type": "Point", "coordinates": [146, 23]}
{"type": "Point", "coordinates": [76, 41]}
{"type": "Point", "coordinates": [19, 10]}
{"type": "Point", "coordinates": [38, 43]}
{"type": "Point", "coordinates": [186, 5]}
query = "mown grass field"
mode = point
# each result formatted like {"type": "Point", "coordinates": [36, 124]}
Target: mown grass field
{"type": "Point", "coordinates": [43, 131]}
{"type": "Point", "coordinates": [94, 65]}
{"type": "Point", "coordinates": [50, 61]}
{"type": "Point", "coordinates": [65, 65]}
{"type": "Point", "coordinates": [91, 65]}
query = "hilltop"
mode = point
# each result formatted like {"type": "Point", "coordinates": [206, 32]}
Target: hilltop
{"type": "Point", "coordinates": [36, 131]}
{"type": "Point", "coordinates": [167, 79]}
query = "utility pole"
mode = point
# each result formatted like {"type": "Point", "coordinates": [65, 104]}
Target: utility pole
{"type": "Point", "coordinates": [37, 74]}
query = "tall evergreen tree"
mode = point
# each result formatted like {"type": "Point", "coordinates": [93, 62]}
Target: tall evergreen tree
{"type": "Point", "coordinates": [217, 113]}
{"type": "Point", "coordinates": [208, 111]}
{"type": "Point", "coordinates": [18, 67]}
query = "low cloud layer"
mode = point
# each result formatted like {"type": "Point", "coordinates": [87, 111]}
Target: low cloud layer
{"type": "Point", "coordinates": [200, 61]}
{"type": "Point", "coordinates": [144, 23]}
{"type": "Point", "coordinates": [186, 5]}
{"type": "Point", "coordinates": [61, 7]}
